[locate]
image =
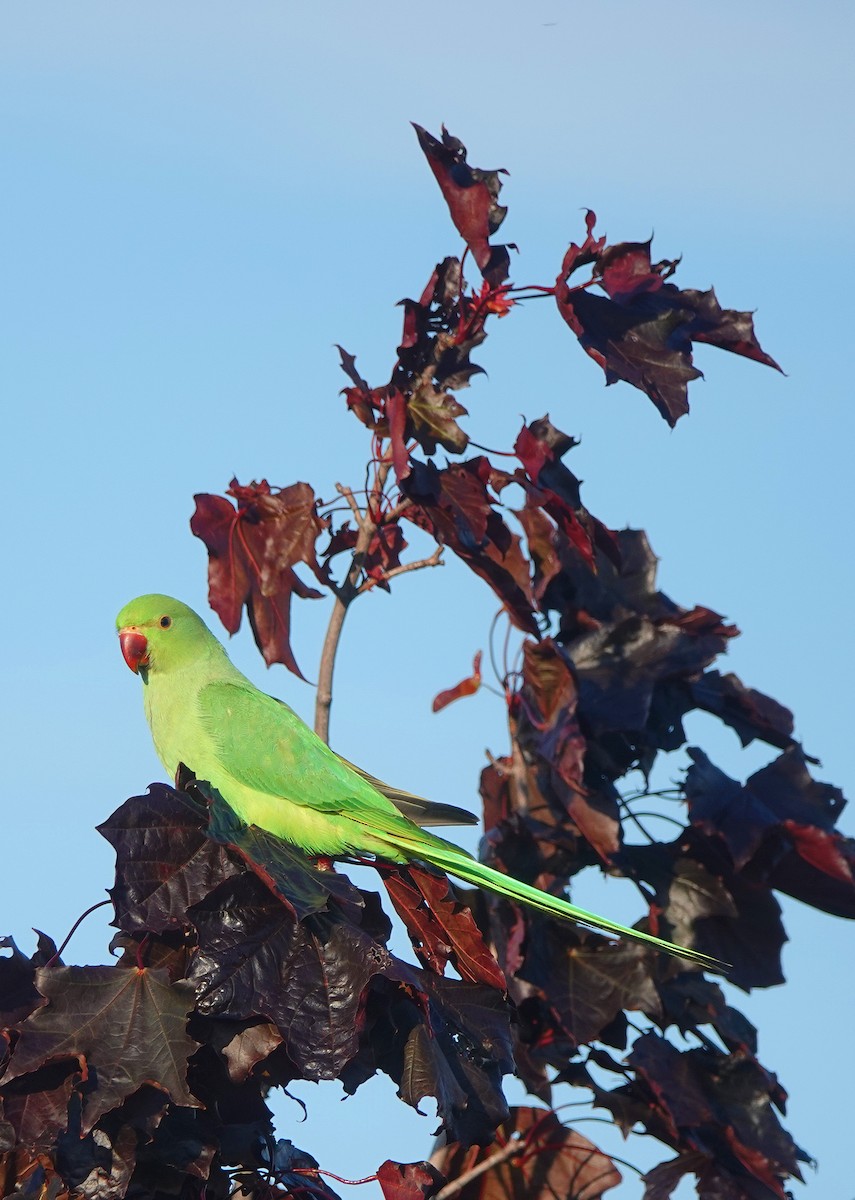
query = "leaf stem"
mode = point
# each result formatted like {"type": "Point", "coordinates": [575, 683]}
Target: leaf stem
{"type": "Point", "coordinates": [73, 930]}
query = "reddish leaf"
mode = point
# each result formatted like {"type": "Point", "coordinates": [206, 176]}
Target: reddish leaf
{"type": "Point", "coordinates": [252, 551]}
{"type": "Point", "coordinates": [384, 553]}
{"type": "Point", "coordinates": [454, 506]}
{"type": "Point", "coordinates": [782, 823]}
{"type": "Point", "coordinates": [36, 1104]}
{"type": "Point", "coordinates": [248, 1047]}
{"type": "Point", "coordinates": [441, 929]}
{"type": "Point", "coordinates": [472, 198]}
{"type": "Point", "coordinates": [467, 687]}
{"type": "Point", "coordinates": [18, 993]}
{"type": "Point", "coordinates": [433, 361]}
{"type": "Point", "coordinates": [541, 1158]}
{"type": "Point", "coordinates": [254, 959]}
{"type": "Point", "coordinates": [545, 711]}
{"type": "Point", "coordinates": [164, 860]}
{"type": "Point", "coordinates": [659, 1183]}
{"type": "Point", "coordinates": [706, 904]}
{"type": "Point", "coordinates": [408, 1181]}
{"type": "Point", "coordinates": [396, 416]}
{"type": "Point", "coordinates": [722, 1105]}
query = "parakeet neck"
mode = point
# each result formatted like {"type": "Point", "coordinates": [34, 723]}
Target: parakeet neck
{"type": "Point", "coordinates": [169, 699]}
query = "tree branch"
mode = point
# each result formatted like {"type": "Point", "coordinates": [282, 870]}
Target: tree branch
{"type": "Point", "coordinates": [435, 560]}
{"type": "Point", "coordinates": [367, 526]}
{"type": "Point", "coordinates": [504, 1154]}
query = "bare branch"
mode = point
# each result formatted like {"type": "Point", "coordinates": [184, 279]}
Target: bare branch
{"type": "Point", "coordinates": [351, 500]}
{"type": "Point", "coordinates": [347, 592]}
{"type": "Point", "coordinates": [504, 1154]}
{"type": "Point", "coordinates": [435, 560]}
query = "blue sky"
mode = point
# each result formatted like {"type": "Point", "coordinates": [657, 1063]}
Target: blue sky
{"type": "Point", "coordinates": [200, 199]}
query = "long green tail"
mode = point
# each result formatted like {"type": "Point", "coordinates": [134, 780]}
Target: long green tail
{"type": "Point", "coordinates": [472, 871]}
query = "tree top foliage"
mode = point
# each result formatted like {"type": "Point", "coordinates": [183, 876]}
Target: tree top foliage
{"type": "Point", "coordinates": [242, 966]}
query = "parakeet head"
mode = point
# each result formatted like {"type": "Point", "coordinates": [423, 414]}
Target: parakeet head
{"type": "Point", "coordinates": [159, 633]}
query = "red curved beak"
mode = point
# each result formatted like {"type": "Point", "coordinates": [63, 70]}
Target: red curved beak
{"type": "Point", "coordinates": [134, 648]}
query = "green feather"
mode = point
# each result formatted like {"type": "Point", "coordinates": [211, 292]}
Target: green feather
{"type": "Point", "coordinates": [276, 774]}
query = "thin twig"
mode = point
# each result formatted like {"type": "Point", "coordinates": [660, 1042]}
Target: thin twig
{"type": "Point", "coordinates": [435, 560]}
{"type": "Point", "coordinates": [507, 1152]}
{"type": "Point", "coordinates": [351, 499]}
{"type": "Point", "coordinates": [398, 510]}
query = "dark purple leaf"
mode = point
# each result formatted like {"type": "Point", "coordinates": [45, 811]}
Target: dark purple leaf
{"type": "Point", "coordinates": [127, 1025]}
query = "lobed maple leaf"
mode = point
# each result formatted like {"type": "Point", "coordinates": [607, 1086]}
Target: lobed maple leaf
{"type": "Point", "coordinates": [128, 1025]}
{"type": "Point", "coordinates": [780, 825]}
{"type": "Point", "coordinates": [641, 331]}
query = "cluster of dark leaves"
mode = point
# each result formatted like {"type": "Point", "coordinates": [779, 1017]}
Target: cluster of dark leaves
{"type": "Point", "coordinates": [242, 967]}
{"type": "Point", "coordinates": [603, 689]}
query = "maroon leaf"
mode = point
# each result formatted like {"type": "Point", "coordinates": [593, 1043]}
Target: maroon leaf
{"type": "Point", "coordinates": [467, 687]}
{"type": "Point", "coordinates": [782, 823]}
{"type": "Point", "coordinates": [127, 1025]}
{"type": "Point", "coordinates": [472, 198]}
{"type": "Point", "coordinates": [164, 860]}
{"type": "Point", "coordinates": [252, 551]}
{"type": "Point", "coordinates": [538, 1157]}
{"type": "Point", "coordinates": [18, 993]}
{"type": "Point", "coordinates": [706, 904]}
{"type": "Point", "coordinates": [721, 1105]}
{"type": "Point", "coordinates": [408, 1181]}
{"type": "Point", "coordinates": [433, 361]}
{"type": "Point", "coordinates": [396, 415]}
{"type": "Point", "coordinates": [547, 727]}
{"type": "Point", "coordinates": [248, 1047]}
{"type": "Point", "coordinates": [587, 980]}
{"type": "Point", "coordinates": [308, 979]}
{"type": "Point", "coordinates": [441, 929]}
{"type": "Point", "coordinates": [36, 1104]}
{"type": "Point", "coordinates": [660, 1182]}
{"type": "Point", "coordinates": [539, 447]}
{"type": "Point", "coordinates": [384, 553]}
{"type": "Point", "coordinates": [454, 507]}
{"type": "Point", "coordinates": [642, 330]}
{"type": "Point", "coordinates": [690, 1001]}
{"type": "Point", "coordinates": [747, 711]}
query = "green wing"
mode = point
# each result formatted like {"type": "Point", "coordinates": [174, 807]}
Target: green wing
{"type": "Point", "coordinates": [264, 745]}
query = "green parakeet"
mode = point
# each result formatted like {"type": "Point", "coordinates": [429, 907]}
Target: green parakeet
{"type": "Point", "coordinates": [277, 774]}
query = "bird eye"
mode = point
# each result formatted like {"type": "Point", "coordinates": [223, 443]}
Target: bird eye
{"type": "Point", "coordinates": [165, 622]}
